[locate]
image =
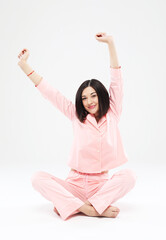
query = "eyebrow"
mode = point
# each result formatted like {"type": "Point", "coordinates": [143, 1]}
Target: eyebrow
{"type": "Point", "coordinates": [85, 95]}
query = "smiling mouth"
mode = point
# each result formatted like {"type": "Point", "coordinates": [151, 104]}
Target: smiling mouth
{"type": "Point", "coordinates": [92, 107]}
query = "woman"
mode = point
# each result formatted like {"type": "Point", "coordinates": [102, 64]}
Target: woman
{"type": "Point", "coordinates": [97, 145]}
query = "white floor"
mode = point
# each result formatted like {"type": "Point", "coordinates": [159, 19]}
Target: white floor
{"type": "Point", "coordinates": [25, 214]}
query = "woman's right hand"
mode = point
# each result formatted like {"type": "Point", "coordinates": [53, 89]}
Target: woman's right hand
{"type": "Point", "coordinates": [24, 54]}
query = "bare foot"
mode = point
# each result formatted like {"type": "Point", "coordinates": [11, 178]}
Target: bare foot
{"type": "Point", "coordinates": [111, 212]}
{"type": "Point", "coordinates": [88, 203]}
{"type": "Point", "coordinates": [88, 210]}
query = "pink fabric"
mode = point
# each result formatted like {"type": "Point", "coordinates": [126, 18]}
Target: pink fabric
{"type": "Point", "coordinates": [70, 194]}
{"type": "Point", "coordinates": [96, 146]}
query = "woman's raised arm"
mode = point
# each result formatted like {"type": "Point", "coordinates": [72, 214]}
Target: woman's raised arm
{"type": "Point", "coordinates": [116, 85]}
{"type": "Point", "coordinates": [50, 93]}
{"type": "Point", "coordinates": [102, 37]}
{"type": "Point", "coordinates": [23, 56]}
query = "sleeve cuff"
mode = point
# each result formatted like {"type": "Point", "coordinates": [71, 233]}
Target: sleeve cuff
{"type": "Point", "coordinates": [42, 85]}
{"type": "Point", "coordinates": [115, 72]}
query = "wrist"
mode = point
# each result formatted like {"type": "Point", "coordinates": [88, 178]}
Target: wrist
{"type": "Point", "coordinates": [110, 43]}
{"type": "Point", "coordinates": [21, 62]}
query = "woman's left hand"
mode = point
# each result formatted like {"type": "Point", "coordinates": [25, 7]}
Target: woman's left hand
{"type": "Point", "coordinates": [103, 37]}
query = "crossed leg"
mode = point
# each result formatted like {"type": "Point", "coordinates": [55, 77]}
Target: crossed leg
{"type": "Point", "coordinates": [114, 188]}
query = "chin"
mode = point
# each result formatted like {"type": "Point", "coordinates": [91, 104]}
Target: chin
{"type": "Point", "coordinates": [93, 112]}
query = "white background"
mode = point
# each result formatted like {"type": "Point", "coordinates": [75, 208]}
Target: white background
{"type": "Point", "coordinates": [34, 135]}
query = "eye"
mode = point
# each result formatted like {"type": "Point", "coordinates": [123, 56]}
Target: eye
{"type": "Point", "coordinates": [92, 96]}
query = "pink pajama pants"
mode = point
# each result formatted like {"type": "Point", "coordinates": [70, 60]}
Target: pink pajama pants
{"type": "Point", "coordinates": [70, 194]}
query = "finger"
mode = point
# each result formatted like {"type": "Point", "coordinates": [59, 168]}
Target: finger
{"type": "Point", "coordinates": [24, 50]}
{"type": "Point", "coordinates": [100, 33]}
{"type": "Point", "coordinates": [98, 37]}
{"type": "Point", "coordinates": [21, 53]}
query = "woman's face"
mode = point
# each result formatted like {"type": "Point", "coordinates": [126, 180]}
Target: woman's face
{"type": "Point", "coordinates": [90, 100]}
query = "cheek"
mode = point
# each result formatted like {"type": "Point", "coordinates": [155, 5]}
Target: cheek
{"type": "Point", "coordinates": [84, 104]}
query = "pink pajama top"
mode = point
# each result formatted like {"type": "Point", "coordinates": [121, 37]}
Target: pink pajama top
{"type": "Point", "coordinates": [96, 146]}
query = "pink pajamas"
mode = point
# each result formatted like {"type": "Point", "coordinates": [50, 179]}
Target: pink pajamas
{"type": "Point", "coordinates": [70, 194]}
{"type": "Point", "coordinates": [97, 147]}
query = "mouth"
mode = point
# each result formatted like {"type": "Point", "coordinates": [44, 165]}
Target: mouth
{"type": "Point", "coordinates": [92, 107]}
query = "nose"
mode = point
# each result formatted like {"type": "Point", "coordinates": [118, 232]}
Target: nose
{"type": "Point", "coordinates": [89, 101]}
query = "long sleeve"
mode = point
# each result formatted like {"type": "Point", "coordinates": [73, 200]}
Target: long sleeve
{"type": "Point", "coordinates": [116, 91]}
{"type": "Point", "coordinates": [57, 99]}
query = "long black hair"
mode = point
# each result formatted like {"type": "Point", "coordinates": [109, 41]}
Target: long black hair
{"type": "Point", "coordinates": [103, 99]}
